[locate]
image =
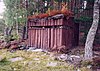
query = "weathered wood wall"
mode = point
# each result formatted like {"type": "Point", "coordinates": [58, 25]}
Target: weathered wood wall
{"type": "Point", "coordinates": [52, 32]}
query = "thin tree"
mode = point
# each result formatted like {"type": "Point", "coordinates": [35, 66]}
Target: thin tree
{"type": "Point", "coordinates": [92, 32]}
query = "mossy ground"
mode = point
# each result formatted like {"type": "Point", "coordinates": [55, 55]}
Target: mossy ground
{"type": "Point", "coordinates": [30, 64]}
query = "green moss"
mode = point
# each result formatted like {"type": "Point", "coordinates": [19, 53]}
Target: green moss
{"type": "Point", "coordinates": [86, 63]}
{"type": "Point", "coordinates": [30, 64]}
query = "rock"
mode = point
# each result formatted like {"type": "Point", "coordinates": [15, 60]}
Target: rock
{"type": "Point", "coordinates": [36, 59]}
{"type": "Point", "coordinates": [78, 70]}
{"type": "Point", "coordinates": [37, 50]}
{"type": "Point", "coordinates": [30, 63]}
{"type": "Point", "coordinates": [89, 66]}
{"type": "Point", "coordinates": [31, 48]}
{"type": "Point", "coordinates": [63, 57]}
{"type": "Point", "coordinates": [12, 50]}
{"type": "Point", "coordinates": [51, 64]}
{"type": "Point", "coordinates": [34, 49]}
{"type": "Point", "coordinates": [2, 58]}
{"type": "Point", "coordinates": [23, 47]}
{"type": "Point", "coordinates": [16, 59]}
{"type": "Point", "coordinates": [15, 69]}
{"type": "Point", "coordinates": [75, 58]}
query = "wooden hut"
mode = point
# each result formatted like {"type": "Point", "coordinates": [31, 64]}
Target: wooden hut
{"type": "Point", "coordinates": [52, 32]}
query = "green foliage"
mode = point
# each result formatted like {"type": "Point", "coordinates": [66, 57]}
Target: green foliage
{"type": "Point", "coordinates": [14, 15]}
{"type": "Point", "coordinates": [90, 1]}
{"type": "Point", "coordinates": [83, 19]}
{"type": "Point", "coordinates": [2, 25]}
{"type": "Point", "coordinates": [15, 36]}
{"type": "Point", "coordinates": [14, 12]}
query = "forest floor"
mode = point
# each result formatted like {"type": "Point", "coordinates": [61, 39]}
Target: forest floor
{"type": "Point", "coordinates": [23, 60]}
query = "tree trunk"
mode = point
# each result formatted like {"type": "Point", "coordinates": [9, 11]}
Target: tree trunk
{"type": "Point", "coordinates": [17, 26]}
{"type": "Point", "coordinates": [92, 32]}
{"type": "Point", "coordinates": [26, 26]}
{"type": "Point", "coordinates": [7, 33]}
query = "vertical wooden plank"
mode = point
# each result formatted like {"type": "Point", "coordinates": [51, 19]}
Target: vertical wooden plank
{"type": "Point", "coordinates": [71, 37]}
{"type": "Point", "coordinates": [39, 39]}
{"type": "Point", "coordinates": [55, 34]}
{"type": "Point", "coordinates": [31, 35]}
{"type": "Point", "coordinates": [67, 32]}
{"type": "Point", "coordinates": [52, 37]}
{"type": "Point", "coordinates": [35, 37]}
{"type": "Point", "coordinates": [61, 21]}
{"type": "Point", "coordinates": [27, 41]}
{"type": "Point", "coordinates": [32, 31]}
{"type": "Point", "coordinates": [40, 32]}
{"type": "Point", "coordinates": [63, 33]}
{"type": "Point", "coordinates": [49, 35]}
{"type": "Point", "coordinates": [49, 24]}
{"type": "Point", "coordinates": [46, 38]}
{"type": "Point", "coordinates": [52, 22]}
{"type": "Point", "coordinates": [63, 36]}
{"type": "Point", "coordinates": [49, 39]}
{"type": "Point", "coordinates": [43, 34]}
{"type": "Point", "coordinates": [58, 33]}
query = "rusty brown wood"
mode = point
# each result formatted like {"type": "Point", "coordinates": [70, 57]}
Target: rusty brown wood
{"type": "Point", "coordinates": [46, 39]}
{"type": "Point", "coordinates": [55, 34]}
{"type": "Point", "coordinates": [31, 35]}
{"type": "Point", "coordinates": [50, 34]}
{"type": "Point", "coordinates": [41, 38]}
{"type": "Point", "coordinates": [51, 38]}
{"type": "Point", "coordinates": [35, 38]}
{"type": "Point", "coordinates": [51, 22]}
{"type": "Point", "coordinates": [58, 34]}
{"type": "Point", "coordinates": [43, 31]}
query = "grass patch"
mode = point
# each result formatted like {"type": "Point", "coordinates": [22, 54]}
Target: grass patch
{"type": "Point", "coordinates": [33, 61]}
